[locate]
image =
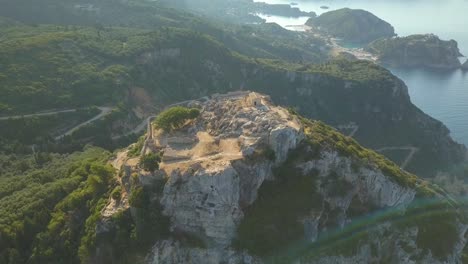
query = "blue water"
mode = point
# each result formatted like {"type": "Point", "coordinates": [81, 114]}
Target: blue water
{"type": "Point", "coordinates": [441, 94]}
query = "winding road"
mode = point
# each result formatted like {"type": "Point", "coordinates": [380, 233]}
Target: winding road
{"type": "Point", "coordinates": [38, 114]}
{"type": "Point", "coordinates": [412, 151]}
{"type": "Point", "coordinates": [142, 126]}
{"type": "Point", "coordinates": [104, 111]}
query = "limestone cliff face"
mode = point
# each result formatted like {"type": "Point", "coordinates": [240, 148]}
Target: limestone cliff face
{"type": "Point", "coordinates": [230, 166]}
{"type": "Point", "coordinates": [339, 93]}
{"type": "Point", "coordinates": [379, 106]}
{"type": "Point", "coordinates": [211, 179]}
{"type": "Point", "coordinates": [371, 188]}
{"type": "Point", "coordinates": [417, 51]}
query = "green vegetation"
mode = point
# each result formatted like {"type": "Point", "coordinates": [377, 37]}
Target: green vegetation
{"type": "Point", "coordinates": [417, 50]}
{"type": "Point", "coordinates": [36, 201]}
{"type": "Point", "coordinates": [237, 12]}
{"type": "Point", "coordinates": [273, 227]}
{"type": "Point", "coordinates": [433, 217]}
{"type": "Point", "coordinates": [135, 149]}
{"type": "Point", "coordinates": [137, 198]}
{"type": "Point", "coordinates": [150, 162]}
{"type": "Point", "coordinates": [50, 203]}
{"type": "Point", "coordinates": [262, 152]}
{"type": "Point", "coordinates": [68, 79]}
{"type": "Point", "coordinates": [66, 238]}
{"type": "Point", "coordinates": [117, 193]}
{"type": "Point", "coordinates": [17, 133]}
{"type": "Point", "coordinates": [396, 155]}
{"type": "Point", "coordinates": [272, 221]}
{"type": "Point", "coordinates": [269, 154]}
{"type": "Point", "coordinates": [174, 64]}
{"type": "Point", "coordinates": [327, 137]}
{"type": "Point", "coordinates": [148, 224]}
{"type": "Point", "coordinates": [363, 72]}
{"type": "Point", "coordinates": [352, 25]}
{"type": "Point", "coordinates": [175, 117]}
{"type": "Point", "coordinates": [435, 221]}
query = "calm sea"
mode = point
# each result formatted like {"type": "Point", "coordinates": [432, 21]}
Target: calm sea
{"type": "Point", "coordinates": [441, 94]}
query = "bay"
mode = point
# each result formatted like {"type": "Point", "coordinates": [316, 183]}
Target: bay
{"type": "Point", "coordinates": [441, 94]}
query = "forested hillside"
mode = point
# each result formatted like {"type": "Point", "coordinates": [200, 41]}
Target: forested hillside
{"type": "Point", "coordinates": [76, 66]}
{"type": "Point", "coordinates": [36, 190]}
{"type": "Point", "coordinates": [134, 58]}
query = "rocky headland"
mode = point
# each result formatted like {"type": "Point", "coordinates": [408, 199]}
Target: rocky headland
{"type": "Point", "coordinates": [417, 51]}
{"type": "Point", "coordinates": [246, 180]}
{"type": "Point", "coordinates": [352, 25]}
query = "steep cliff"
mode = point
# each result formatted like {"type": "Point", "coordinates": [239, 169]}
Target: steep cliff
{"type": "Point", "coordinates": [250, 182]}
{"type": "Point", "coordinates": [368, 99]}
{"type": "Point", "coordinates": [417, 51]}
{"type": "Point", "coordinates": [175, 65]}
{"type": "Point", "coordinates": [352, 25]}
{"type": "Point", "coordinates": [341, 93]}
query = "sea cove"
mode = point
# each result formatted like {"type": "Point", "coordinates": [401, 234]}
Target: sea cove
{"type": "Point", "coordinates": [441, 94]}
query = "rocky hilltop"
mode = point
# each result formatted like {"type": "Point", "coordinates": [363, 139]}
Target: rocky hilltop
{"type": "Point", "coordinates": [417, 51]}
{"type": "Point", "coordinates": [370, 97]}
{"type": "Point", "coordinates": [245, 181]}
{"type": "Point", "coordinates": [352, 25]}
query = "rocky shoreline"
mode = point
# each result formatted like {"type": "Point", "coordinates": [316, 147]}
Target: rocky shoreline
{"type": "Point", "coordinates": [426, 50]}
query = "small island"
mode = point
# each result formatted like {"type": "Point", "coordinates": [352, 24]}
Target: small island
{"type": "Point", "coordinates": [426, 50]}
{"type": "Point", "coordinates": [352, 25]}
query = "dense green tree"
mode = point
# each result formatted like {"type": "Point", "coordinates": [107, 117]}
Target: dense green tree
{"type": "Point", "coordinates": [175, 117]}
{"type": "Point", "coordinates": [150, 162]}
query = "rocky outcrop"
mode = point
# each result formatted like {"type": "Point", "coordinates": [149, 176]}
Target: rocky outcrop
{"type": "Point", "coordinates": [369, 187]}
{"type": "Point", "coordinates": [206, 191]}
{"type": "Point", "coordinates": [370, 96]}
{"type": "Point", "coordinates": [371, 184]}
{"type": "Point", "coordinates": [377, 103]}
{"type": "Point", "coordinates": [282, 140]}
{"type": "Point", "coordinates": [417, 51]}
{"type": "Point", "coordinates": [246, 153]}
{"type": "Point", "coordinates": [352, 25]}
